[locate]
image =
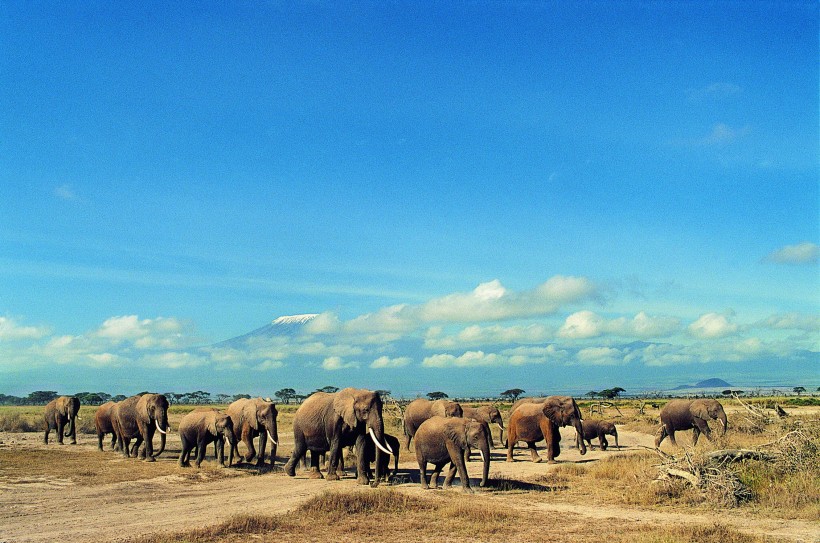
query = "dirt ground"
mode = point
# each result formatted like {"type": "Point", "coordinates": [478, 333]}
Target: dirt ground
{"type": "Point", "coordinates": [44, 508]}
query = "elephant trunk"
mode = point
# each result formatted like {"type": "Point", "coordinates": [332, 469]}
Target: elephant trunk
{"type": "Point", "coordinates": [615, 433]}
{"type": "Point", "coordinates": [162, 433]}
{"type": "Point", "coordinates": [723, 421]}
{"type": "Point", "coordinates": [485, 457]}
{"type": "Point", "coordinates": [579, 427]}
{"type": "Point", "coordinates": [375, 427]}
{"type": "Point", "coordinates": [71, 426]}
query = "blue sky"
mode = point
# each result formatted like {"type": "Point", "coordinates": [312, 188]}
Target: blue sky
{"type": "Point", "coordinates": [473, 197]}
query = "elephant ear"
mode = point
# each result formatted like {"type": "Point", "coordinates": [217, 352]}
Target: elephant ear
{"type": "Point", "coordinates": [453, 433]}
{"type": "Point", "coordinates": [250, 414]}
{"type": "Point", "coordinates": [554, 411]}
{"type": "Point", "coordinates": [699, 410]}
{"type": "Point", "coordinates": [343, 404]}
{"type": "Point", "coordinates": [212, 425]}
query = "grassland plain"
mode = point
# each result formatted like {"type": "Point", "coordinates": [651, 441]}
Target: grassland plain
{"type": "Point", "coordinates": [76, 493]}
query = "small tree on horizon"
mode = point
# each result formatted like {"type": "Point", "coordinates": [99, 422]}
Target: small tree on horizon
{"type": "Point", "coordinates": [799, 390]}
{"type": "Point", "coordinates": [286, 394]}
{"type": "Point", "coordinates": [330, 389]}
{"type": "Point", "coordinates": [438, 395]}
{"type": "Point", "coordinates": [592, 394]}
{"type": "Point", "coordinates": [512, 394]}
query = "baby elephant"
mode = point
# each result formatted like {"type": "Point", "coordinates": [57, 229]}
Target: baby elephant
{"type": "Point", "coordinates": [384, 466]}
{"type": "Point", "coordinates": [201, 427]}
{"type": "Point", "coordinates": [598, 428]}
{"type": "Point", "coordinates": [445, 439]}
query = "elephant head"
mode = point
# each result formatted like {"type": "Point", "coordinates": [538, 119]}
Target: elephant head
{"type": "Point", "coordinates": [69, 407]}
{"type": "Point", "coordinates": [363, 407]}
{"type": "Point", "coordinates": [153, 409]}
{"type": "Point", "coordinates": [563, 411]}
{"type": "Point", "coordinates": [453, 409]}
{"type": "Point", "coordinates": [476, 435]}
{"type": "Point", "coordinates": [223, 426]}
{"type": "Point", "coordinates": [263, 419]}
{"type": "Point", "coordinates": [706, 409]}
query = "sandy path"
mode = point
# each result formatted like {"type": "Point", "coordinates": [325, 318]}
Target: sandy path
{"type": "Point", "coordinates": [45, 511]}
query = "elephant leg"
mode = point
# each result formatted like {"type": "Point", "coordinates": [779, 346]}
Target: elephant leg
{"type": "Point", "coordinates": [333, 459]}
{"type": "Point", "coordinates": [201, 445]}
{"type": "Point", "coordinates": [363, 472]}
{"type": "Point", "coordinates": [451, 474]}
{"type": "Point", "coordinates": [422, 471]}
{"type": "Point", "coordinates": [299, 453]}
{"type": "Point", "coordinates": [462, 469]}
{"type": "Point", "coordinates": [534, 452]}
{"type": "Point", "coordinates": [148, 449]}
{"type": "Point", "coordinates": [434, 476]}
{"type": "Point", "coordinates": [407, 438]}
{"type": "Point", "coordinates": [185, 448]}
{"type": "Point", "coordinates": [263, 443]}
{"type": "Point", "coordinates": [60, 430]}
{"type": "Point", "coordinates": [100, 436]}
{"type": "Point", "coordinates": [603, 442]}
{"type": "Point", "coordinates": [314, 466]}
{"type": "Point", "coordinates": [695, 435]}
{"type": "Point", "coordinates": [671, 433]}
{"type": "Point", "coordinates": [247, 439]}
{"type": "Point", "coordinates": [45, 437]}
{"type": "Point", "coordinates": [510, 447]}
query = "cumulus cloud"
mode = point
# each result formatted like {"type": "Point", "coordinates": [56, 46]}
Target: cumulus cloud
{"type": "Point", "coordinates": [600, 356]}
{"type": "Point", "coordinates": [475, 335]}
{"type": "Point", "coordinates": [387, 362]}
{"type": "Point", "coordinates": [587, 324]}
{"type": "Point", "coordinates": [713, 326]}
{"type": "Point", "coordinates": [143, 334]}
{"type": "Point", "coordinates": [333, 363]}
{"type": "Point", "coordinates": [66, 192]}
{"type": "Point", "coordinates": [489, 301]}
{"type": "Point", "coordinates": [11, 331]}
{"type": "Point", "coordinates": [801, 254]}
{"type": "Point", "coordinates": [791, 321]}
{"type": "Point", "coordinates": [518, 356]}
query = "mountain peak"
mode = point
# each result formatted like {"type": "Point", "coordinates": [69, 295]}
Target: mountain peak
{"type": "Point", "coordinates": [295, 319]}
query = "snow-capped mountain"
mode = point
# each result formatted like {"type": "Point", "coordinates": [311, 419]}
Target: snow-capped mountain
{"type": "Point", "coordinates": [285, 326]}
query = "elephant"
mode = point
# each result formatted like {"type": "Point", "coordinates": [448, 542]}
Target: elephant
{"type": "Point", "coordinates": [384, 467]}
{"type": "Point", "coordinates": [58, 413]}
{"type": "Point", "coordinates": [685, 414]}
{"type": "Point", "coordinates": [489, 414]}
{"type": "Point", "coordinates": [138, 417]}
{"type": "Point", "coordinates": [104, 424]}
{"type": "Point", "coordinates": [420, 410]}
{"type": "Point", "coordinates": [598, 428]}
{"type": "Point", "coordinates": [440, 440]}
{"type": "Point", "coordinates": [532, 422]}
{"type": "Point", "coordinates": [253, 417]}
{"type": "Point", "coordinates": [328, 422]}
{"type": "Point", "coordinates": [203, 426]}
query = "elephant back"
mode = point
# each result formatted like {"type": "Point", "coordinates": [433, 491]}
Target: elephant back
{"type": "Point", "coordinates": [102, 417]}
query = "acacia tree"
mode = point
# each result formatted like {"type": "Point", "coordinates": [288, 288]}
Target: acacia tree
{"type": "Point", "coordinates": [438, 395]}
{"type": "Point", "coordinates": [329, 389]}
{"type": "Point", "coordinates": [286, 394]}
{"type": "Point", "coordinates": [611, 393]}
{"type": "Point", "coordinates": [799, 390]}
{"type": "Point", "coordinates": [512, 394]}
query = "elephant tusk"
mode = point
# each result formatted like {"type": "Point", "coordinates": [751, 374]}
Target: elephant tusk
{"type": "Point", "coordinates": [271, 438]}
{"type": "Point", "coordinates": [482, 455]}
{"type": "Point", "coordinates": [379, 445]}
{"type": "Point", "coordinates": [161, 431]}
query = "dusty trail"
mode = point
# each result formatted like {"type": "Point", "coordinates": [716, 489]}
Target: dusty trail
{"type": "Point", "coordinates": [46, 510]}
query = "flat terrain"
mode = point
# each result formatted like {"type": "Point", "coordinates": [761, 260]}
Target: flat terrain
{"type": "Point", "coordinates": [77, 493]}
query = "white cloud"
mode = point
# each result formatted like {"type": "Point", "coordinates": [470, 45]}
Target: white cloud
{"type": "Point", "coordinates": [791, 321]}
{"type": "Point", "coordinates": [269, 365]}
{"type": "Point", "coordinates": [586, 324]}
{"type": "Point", "coordinates": [713, 326]}
{"type": "Point", "coordinates": [600, 356]}
{"type": "Point", "coordinates": [489, 301]}
{"type": "Point", "coordinates": [333, 363]}
{"type": "Point", "coordinates": [143, 334]}
{"type": "Point", "coordinates": [468, 359]}
{"type": "Point", "coordinates": [487, 335]}
{"type": "Point", "coordinates": [387, 362]}
{"type": "Point", "coordinates": [802, 253]}
{"type": "Point", "coordinates": [172, 360]}
{"type": "Point", "coordinates": [11, 331]}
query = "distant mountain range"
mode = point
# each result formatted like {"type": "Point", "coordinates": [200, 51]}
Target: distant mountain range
{"type": "Point", "coordinates": [288, 326]}
{"type": "Point", "coordinates": [709, 383]}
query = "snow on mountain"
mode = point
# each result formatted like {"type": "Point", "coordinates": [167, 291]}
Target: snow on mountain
{"type": "Point", "coordinates": [285, 326]}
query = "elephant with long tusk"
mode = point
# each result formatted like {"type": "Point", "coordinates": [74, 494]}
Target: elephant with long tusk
{"type": "Point", "coordinates": [58, 413]}
{"type": "Point", "coordinates": [139, 417]}
{"type": "Point", "coordinates": [253, 417]}
{"type": "Point", "coordinates": [326, 423]}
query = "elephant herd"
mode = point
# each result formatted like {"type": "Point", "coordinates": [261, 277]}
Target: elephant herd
{"type": "Point", "coordinates": [326, 423]}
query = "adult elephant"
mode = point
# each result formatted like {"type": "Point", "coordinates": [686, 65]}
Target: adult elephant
{"type": "Point", "coordinates": [104, 425]}
{"type": "Point", "coordinates": [489, 414]}
{"type": "Point", "coordinates": [532, 422]}
{"type": "Point", "coordinates": [445, 439]}
{"type": "Point", "coordinates": [328, 422]}
{"type": "Point", "coordinates": [420, 410]}
{"type": "Point", "coordinates": [253, 417]}
{"type": "Point", "coordinates": [598, 428]}
{"type": "Point", "coordinates": [58, 413]}
{"type": "Point", "coordinates": [690, 414]}
{"type": "Point", "coordinates": [138, 417]}
{"type": "Point", "coordinates": [203, 426]}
